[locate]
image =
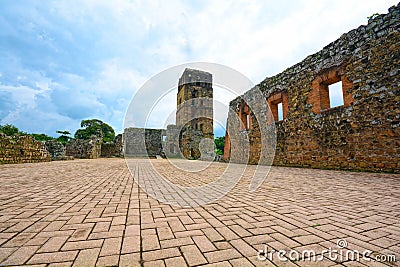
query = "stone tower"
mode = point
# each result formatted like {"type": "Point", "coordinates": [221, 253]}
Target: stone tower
{"type": "Point", "coordinates": [194, 115]}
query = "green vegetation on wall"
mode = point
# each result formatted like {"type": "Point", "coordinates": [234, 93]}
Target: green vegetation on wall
{"type": "Point", "coordinates": [9, 129]}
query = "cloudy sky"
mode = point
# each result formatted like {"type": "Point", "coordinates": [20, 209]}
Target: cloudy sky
{"type": "Point", "coordinates": [64, 61]}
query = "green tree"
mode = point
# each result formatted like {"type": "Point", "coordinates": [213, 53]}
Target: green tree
{"type": "Point", "coordinates": [64, 137]}
{"type": "Point", "coordinates": [41, 137]}
{"type": "Point", "coordinates": [9, 129]}
{"type": "Point", "coordinates": [92, 127]}
{"type": "Point", "coordinates": [219, 145]}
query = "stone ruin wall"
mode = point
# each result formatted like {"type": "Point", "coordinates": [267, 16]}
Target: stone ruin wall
{"type": "Point", "coordinates": [134, 146]}
{"type": "Point", "coordinates": [113, 149]}
{"type": "Point", "coordinates": [56, 150]}
{"type": "Point", "coordinates": [22, 149]}
{"type": "Point", "coordinates": [25, 149]}
{"type": "Point", "coordinates": [84, 149]}
{"type": "Point", "coordinates": [364, 133]}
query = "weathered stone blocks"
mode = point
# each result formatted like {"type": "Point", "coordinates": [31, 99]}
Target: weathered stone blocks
{"type": "Point", "coordinates": [22, 149]}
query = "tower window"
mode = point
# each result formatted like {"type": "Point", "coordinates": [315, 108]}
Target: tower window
{"type": "Point", "coordinates": [278, 103]}
{"type": "Point", "coordinates": [335, 94]}
{"type": "Point", "coordinates": [245, 116]}
{"type": "Point", "coordinates": [280, 111]}
{"type": "Point", "coordinates": [247, 121]}
{"type": "Point", "coordinates": [330, 89]}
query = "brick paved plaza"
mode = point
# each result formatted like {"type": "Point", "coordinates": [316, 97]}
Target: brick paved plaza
{"type": "Point", "coordinates": [91, 212]}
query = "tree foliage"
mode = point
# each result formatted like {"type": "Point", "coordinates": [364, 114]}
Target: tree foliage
{"type": "Point", "coordinates": [9, 129]}
{"type": "Point", "coordinates": [41, 137]}
{"type": "Point", "coordinates": [64, 137]}
{"type": "Point", "coordinates": [93, 127]}
{"type": "Point", "coordinates": [63, 132]}
{"type": "Point", "coordinates": [219, 145]}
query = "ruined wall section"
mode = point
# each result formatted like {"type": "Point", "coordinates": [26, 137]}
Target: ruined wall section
{"type": "Point", "coordinates": [363, 133]}
{"type": "Point", "coordinates": [113, 149]}
{"type": "Point", "coordinates": [84, 149]}
{"type": "Point", "coordinates": [171, 147]}
{"type": "Point", "coordinates": [56, 150]}
{"type": "Point", "coordinates": [134, 146]}
{"type": "Point", "coordinates": [22, 149]}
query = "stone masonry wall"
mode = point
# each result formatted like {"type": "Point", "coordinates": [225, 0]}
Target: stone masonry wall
{"type": "Point", "coordinates": [363, 133]}
{"type": "Point", "coordinates": [84, 149]}
{"type": "Point", "coordinates": [22, 149]}
{"type": "Point", "coordinates": [113, 149]}
{"type": "Point", "coordinates": [56, 150]}
{"type": "Point", "coordinates": [133, 138]}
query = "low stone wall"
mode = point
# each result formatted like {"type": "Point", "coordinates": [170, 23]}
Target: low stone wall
{"type": "Point", "coordinates": [113, 149]}
{"type": "Point", "coordinates": [84, 149]}
{"type": "Point", "coordinates": [22, 149]}
{"type": "Point", "coordinates": [56, 150]}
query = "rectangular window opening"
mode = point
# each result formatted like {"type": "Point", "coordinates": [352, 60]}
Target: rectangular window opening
{"type": "Point", "coordinates": [336, 94]}
{"type": "Point", "coordinates": [247, 121]}
{"type": "Point", "coordinates": [280, 111]}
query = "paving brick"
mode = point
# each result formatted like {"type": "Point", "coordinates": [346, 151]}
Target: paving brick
{"type": "Point", "coordinates": [176, 242]}
{"type": "Point", "coordinates": [160, 254]}
{"type": "Point", "coordinates": [54, 226]}
{"type": "Point", "coordinates": [222, 255]}
{"type": "Point", "coordinates": [75, 245]}
{"type": "Point", "coordinates": [132, 230]}
{"type": "Point", "coordinates": [80, 234]}
{"type": "Point", "coordinates": [87, 257]}
{"type": "Point", "coordinates": [244, 248]}
{"type": "Point", "coordinates": [150, 242]}
{"type": "Point", "coordinates": [131, 244]}
{"type": "Point", "coordinates": [19, 240]}
{"type": "Point", "coordinates": [203, 243]}
{"type": "Point", "coordinates": [193, 255]}
{"type": "Point", "coordinates": [108, 261]}
{"type": "Point", "coordinates": [111, 246]}
{"type": "Point", "coordinates": [130, 260]}
{"type": "Point", "coordinates": [53, 257]}
{"type": "Point", "coordinates": [20, 256]}
{"type": "Point", "coordinates": [227, 233]}
{"type": "Point", "coordinates": [220, 245]}
{"type": "Point", "coordinates": [53, 244]}
{"type": "Point", "coordinates": [118, 220]}
{"type": "Point", "coordinates": [240, 231]}
{"type": "Point", "coordinates": [177, 261]}
{"type": "Point", "coordinates": [5, 252]}
{"type": "Point", "coordinates": [188, 233]}
{"type": "Point", "coordinates": [101, 235]}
